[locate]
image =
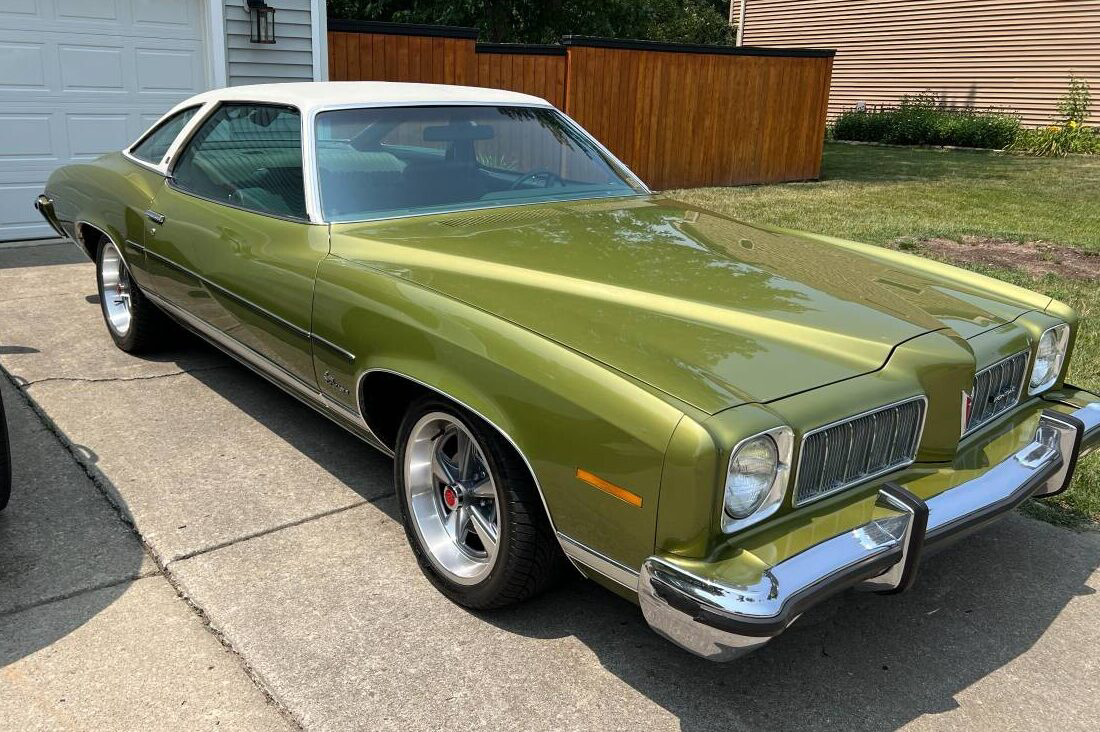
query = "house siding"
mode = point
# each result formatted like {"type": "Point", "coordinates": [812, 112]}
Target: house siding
{"type": "Point", "coordinates": [290, 58]}
{"type": "Point", "coordinates": [988, 53]}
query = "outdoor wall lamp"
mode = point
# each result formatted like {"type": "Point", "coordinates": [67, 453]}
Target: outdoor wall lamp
{"type": "Point", "coordinates": [261, 21]}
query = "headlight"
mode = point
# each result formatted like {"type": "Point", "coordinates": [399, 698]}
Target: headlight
{"type": "Point", "coordinates": [1049, 356]}
{"type": "Point", "coordinates": [757, 477]}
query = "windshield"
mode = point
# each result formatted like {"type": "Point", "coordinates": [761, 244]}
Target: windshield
{"type": "Point", "coordinates": [379, 162]}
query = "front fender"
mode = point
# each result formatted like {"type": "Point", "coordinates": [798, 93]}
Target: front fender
{"type": "Point", "coordinates": [561, 410]}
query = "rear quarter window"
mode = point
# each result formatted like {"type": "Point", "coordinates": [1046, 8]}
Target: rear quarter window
{"type": "Point", "coordinates": [154, 146]}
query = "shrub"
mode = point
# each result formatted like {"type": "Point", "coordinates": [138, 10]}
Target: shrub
{"type": "Point", "coordinates": [1069, 134]}
{"type": "Point", "coordinates": [923, 120]}
{"type": "Point", "coordinates": [1058, 140]}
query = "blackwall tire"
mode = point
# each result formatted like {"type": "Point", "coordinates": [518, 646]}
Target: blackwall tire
{"type": "Point", "coordinates": [474, 519]}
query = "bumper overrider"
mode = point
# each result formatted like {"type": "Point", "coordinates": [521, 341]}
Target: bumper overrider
{"type": "Point", "coordinates": [721, 621]}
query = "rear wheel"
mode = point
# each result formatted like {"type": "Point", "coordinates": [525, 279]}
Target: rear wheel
{"type": "Point", "coordinates": [135, 323]}
{"type": "Point", "coordinates": [471, 509]}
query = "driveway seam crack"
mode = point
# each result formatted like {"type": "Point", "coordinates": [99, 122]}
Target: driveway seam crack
{"type": "Point", "coordinates": [82, 591]}
{"type": "Point", "coordinates": [100, 484]}
{"type": "Point", "coordinates": [22, 384]}
{"type": "Point", "coordinates": [272, 530]}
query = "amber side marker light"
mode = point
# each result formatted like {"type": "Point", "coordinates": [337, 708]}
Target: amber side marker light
{"type": "Point", "coordinates": [610, 488]}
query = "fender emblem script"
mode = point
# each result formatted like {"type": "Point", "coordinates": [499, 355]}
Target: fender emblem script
{"type": "Point", "coordinates": [329, 379]}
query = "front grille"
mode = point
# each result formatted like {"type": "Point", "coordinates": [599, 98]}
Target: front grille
{"type": "Point", "coordinates": [858, 449]}
{"type": "Point", "coordinates": [996, 389]}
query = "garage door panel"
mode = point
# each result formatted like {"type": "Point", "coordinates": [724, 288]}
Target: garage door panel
{"type": "Point", "coordinates": [79, 78]}
{"type": "Point", "coordinates": [91, 68]}
{"type": "Point", "coordinates": [88, 10]}
{"type": "Point", "coordinates": [20, 7]}
{"type": "Point", "coordinates": [17, 212]}
{"type": "Point", "coordinates": [158, 12]}
{"type": "Point", "coordinates": [78, 64]}
{"type": "Point", "coordinates": [91, 135]}
{"type": "Point", "coordinates": [38, 139]}
{"type": "Point", "coordinates": [22, 66]}
{"type": "Point", "coordinates": [168, 19]}
{"type": "Point", "coordinates": [27, 137]}
{"type": "Point", "coordinates": [171, 72]}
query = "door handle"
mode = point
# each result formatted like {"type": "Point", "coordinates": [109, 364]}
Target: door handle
{"type": "Point", "coordinates": [155, 217]}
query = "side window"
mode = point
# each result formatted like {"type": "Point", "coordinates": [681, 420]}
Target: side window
{"type": "Point", "coordinates": [154, 145]}
{"type": "Point", "coordinates": [249, 156]}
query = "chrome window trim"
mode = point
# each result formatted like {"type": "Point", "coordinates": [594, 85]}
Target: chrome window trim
{"type": "Point", "coordinates": [129, 151]}
{"type": "Point", "coordinates": [491, 423]}
{"type": "Point", "coordinates": [313, 180]}
{"type": "Point", "coordinates": [1028, 366]}
{"type": "Point", "coordinates": [161, 167]}
{"type": "Point", "coordinates": [487, 208]}
{"type": "Point", "coordinates": [171, 184]}
{"type": "Point", "coordinates": [795, 503]}
{"type": "Point", "coordinates": [185, 139]}
{"type": "Point", "coordinates": [158, 169]}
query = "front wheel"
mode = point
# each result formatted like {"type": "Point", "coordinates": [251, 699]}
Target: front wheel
{"type": "Point", "coordinates": [133, 321]}
{"type": "Point", "coordinates": [471, 509]}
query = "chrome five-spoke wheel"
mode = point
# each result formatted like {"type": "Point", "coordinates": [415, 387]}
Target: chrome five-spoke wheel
{"type": "Point", "coordinates": [452, 497]}
{"type": "Point", "coordinates": [471, 507]}
{"type": "Point", "coordinates": [115, 286]}
{"type": "Point", "coordinates": [133, 321]}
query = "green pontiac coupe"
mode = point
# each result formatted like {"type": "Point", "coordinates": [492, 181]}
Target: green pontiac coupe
{"type": "Point", "coordinates": [724, 422]}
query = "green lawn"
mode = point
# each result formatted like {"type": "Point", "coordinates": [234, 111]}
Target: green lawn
{"type": "Point", "coordinates": [898, 196]}
{"type": "Point", "coordinates": [880, 194]}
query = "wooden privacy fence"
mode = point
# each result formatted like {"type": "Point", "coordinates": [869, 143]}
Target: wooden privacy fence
{"type": "Point", "coordinates": [678, 115]}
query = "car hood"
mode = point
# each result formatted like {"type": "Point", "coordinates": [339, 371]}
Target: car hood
{"type": "Point", "coordinates": [709, 310]}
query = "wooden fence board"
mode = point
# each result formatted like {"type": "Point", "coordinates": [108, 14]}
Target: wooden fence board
{"type": "Point", "coordinates": [679, 116]}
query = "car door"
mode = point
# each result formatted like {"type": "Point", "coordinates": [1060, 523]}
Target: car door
{"type": "Point", "coordinates": [231, 237]}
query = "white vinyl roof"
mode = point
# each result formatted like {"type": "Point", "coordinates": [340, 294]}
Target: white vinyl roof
{"type": "Point", "coordinates": [313, 95]}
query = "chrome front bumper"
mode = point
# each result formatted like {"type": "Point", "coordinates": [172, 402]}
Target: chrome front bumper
{"type": "Point", "coordinates": [722, 621]}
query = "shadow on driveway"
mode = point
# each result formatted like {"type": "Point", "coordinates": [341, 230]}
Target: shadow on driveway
{"type": "Point", "coordinates": [59, 539]}
{"type": "Point", "coordinates": [860, 661]}
{"type": "Point", "coordinates": [855, 662]}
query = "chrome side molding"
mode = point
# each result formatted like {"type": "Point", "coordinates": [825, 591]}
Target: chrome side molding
{"type": "Point", "coordinates": [340, 414]}
{"type": "Point", "coordinates": [586, 558]}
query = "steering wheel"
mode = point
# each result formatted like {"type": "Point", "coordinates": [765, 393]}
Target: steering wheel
{"type": "Point", "coordinates": [548, 175]}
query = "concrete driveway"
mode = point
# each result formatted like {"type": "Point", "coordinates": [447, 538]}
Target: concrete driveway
{"type": "Point", "coordinates": [189, 547]}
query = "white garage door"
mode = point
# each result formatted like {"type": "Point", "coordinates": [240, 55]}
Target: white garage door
{"type": "Point", "coordinates": [82, 77]}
